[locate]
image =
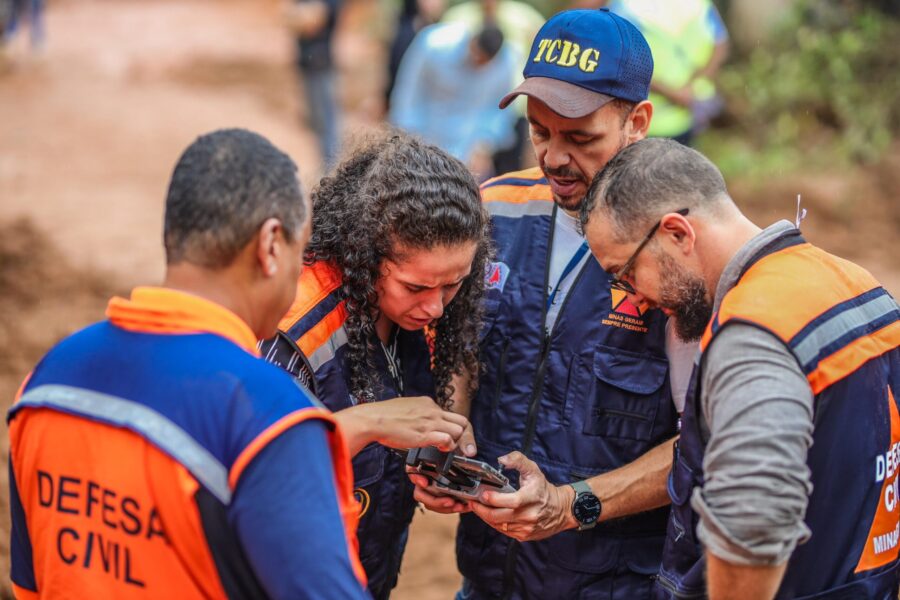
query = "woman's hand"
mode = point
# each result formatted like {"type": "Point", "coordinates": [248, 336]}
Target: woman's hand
{"type": "Point", "coordinates": [406, 422]}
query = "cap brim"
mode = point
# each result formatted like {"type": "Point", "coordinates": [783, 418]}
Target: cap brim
{"type": "Point", "coordinates": [566, 99]}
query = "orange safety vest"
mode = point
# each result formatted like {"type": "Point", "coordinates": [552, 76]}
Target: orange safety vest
{"type": "Point", "coordinates": [843, 329]}
{"type": "Point", "coordinates": [124, 488]}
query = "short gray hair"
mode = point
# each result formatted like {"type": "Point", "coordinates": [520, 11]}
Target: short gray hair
{"type": "Point", "coordinates": [650, 178]}
{"type": "Point", "coordinates": [224, 187]}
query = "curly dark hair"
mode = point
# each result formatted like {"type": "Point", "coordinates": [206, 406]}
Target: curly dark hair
{"type": "Point", "coordinates": [399, 190]}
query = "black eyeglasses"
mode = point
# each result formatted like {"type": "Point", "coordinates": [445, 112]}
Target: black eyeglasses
{"type": "Point", "coordinates": [616, 282]}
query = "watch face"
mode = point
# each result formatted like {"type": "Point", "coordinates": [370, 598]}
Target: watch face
{"type": "Point", "coordinates": [586, 509]}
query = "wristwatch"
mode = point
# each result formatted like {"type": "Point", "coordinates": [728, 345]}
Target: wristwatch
{"type": "Point", "coordinates": [586, 507]}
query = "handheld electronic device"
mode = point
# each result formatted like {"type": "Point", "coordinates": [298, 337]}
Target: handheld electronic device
{"type": "Point", "coordinates": [454, 475]}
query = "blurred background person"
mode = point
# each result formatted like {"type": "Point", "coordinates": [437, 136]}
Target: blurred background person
{"type": "Point", "coordinates": [6, 9]}
{"type": "Point", "coordinates": [413, 16]}
{"type": "Point", "coordinates": [690, 43]}
{"type": "Point", "coordinates": [447, 91]}
{"type": "Point", "coordinates": [14, 12]}
{"type": "Point", "coordinates": [519, 22]}
{"type": "Point", "coordinates": [313, 23]}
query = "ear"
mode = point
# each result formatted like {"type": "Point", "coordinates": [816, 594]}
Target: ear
{"type": "Point", "coordinates": [679, 232]}
{"type": "Point", "coordinates": [638, 121]}
{"type": "Point", "coordinates": [269, 246]}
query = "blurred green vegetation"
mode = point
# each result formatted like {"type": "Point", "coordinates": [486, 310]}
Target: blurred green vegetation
{"type": "Point", "coordinates": [823, 91]}
{"type": "Point", "coordinates": [820, 91]}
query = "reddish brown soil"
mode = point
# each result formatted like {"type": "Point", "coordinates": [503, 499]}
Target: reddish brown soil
{"type": "Point", "coordinates": [92, 129]}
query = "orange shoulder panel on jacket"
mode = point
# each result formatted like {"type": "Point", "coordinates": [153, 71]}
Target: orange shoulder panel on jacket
{"type": "Point", "coordinates": [782, 293]}
{"type": "Point", "coordinates": [495, 190]}
{"type": "Point", "coordinates": [99, 526]}
{"type": "Point", "coordinates": [532, 173]}
{"type": "Point", "coordinates": [322, 331]}
{"type": "Point", "coordinates": [315, 283]}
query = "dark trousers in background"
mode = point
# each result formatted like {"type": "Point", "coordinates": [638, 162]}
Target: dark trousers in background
{"type": "Point", "coordinates": [322, 111]}
{"type": "Point", "coordinates": [12, 11]}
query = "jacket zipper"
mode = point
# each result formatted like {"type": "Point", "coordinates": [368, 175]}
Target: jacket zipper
{"type": "Point", "coordinates": [537, 390]}
{"type": "Point", "coordinates": [501, 370]}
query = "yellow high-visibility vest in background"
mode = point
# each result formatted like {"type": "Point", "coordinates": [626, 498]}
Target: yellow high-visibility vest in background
{"type": "Point", "coordinates": [682, 41]}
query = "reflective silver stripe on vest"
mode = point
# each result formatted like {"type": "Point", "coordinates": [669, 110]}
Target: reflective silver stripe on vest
{"type": "Point", "coordinates": [157, 429]}
{"type": "Point", "coordinates": [327, 350]}
{"type": "Point", "coordinates": [837, 326]}
{"type": "Point", "coordinates": [519, 209]}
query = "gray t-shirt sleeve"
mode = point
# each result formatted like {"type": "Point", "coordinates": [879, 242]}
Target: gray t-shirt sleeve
{"type": "Point", "coordinates": [758, 407]}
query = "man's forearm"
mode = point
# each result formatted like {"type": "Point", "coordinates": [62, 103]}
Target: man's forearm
{"type": "Point", "coordinates": [541, 509]}
{"type": "Point", "coordinates": [637, 487]}
{"type": "Point", "coordinates": [727, 581]}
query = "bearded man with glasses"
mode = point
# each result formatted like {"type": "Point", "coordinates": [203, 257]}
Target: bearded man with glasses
{"type": "Point", "coordinates": [784, 479]}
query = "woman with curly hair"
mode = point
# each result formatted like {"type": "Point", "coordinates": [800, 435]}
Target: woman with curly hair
{"type": "Point", "coordinates": [398, 248]}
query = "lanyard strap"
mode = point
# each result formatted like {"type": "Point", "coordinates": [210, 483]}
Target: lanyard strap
{"type": "Point", "coordinates": [573, 262]}
{"type": "Point", "coordinates": [393, 362]}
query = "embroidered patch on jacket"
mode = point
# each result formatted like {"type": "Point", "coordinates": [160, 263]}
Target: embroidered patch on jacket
{"type": "Point", "coordinates": [625, 314]}
{"type": "Point", "coordinates": [362, 496]}
{"type": "Point", "coordinates": [495, 277]}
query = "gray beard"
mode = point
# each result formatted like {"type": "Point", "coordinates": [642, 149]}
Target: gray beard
{"type": "Point", "coordinates": [686, 296]}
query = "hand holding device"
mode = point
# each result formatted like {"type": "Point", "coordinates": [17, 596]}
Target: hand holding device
{"type": "Point", "coordinates": [536, 511]}
{"type": "Point", "coordinates": [454, 475]}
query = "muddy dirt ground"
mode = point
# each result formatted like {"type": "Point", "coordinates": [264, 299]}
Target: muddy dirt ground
{"type": "Point", "coordinates": [92, 127]}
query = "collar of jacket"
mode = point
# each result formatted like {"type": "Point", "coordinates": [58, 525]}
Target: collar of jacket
{"type": "Point", "coordinates": [167, 311]}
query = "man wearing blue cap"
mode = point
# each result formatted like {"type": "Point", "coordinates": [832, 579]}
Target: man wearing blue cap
{"type": "Point", "coordinates": [574, 399]}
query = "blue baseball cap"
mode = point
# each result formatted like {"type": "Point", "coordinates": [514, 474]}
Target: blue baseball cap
{"type": "Point", "coordinates": [582, 59]}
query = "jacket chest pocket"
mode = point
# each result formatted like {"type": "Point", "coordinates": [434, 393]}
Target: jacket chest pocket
{"type": "Point", "coordinates": [620, 392]}
{"type": "Point", "coordinates": [368, 465]}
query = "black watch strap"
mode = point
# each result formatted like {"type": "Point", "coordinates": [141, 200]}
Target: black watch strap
{"type": "Point", "coordinates": [583, 489]}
